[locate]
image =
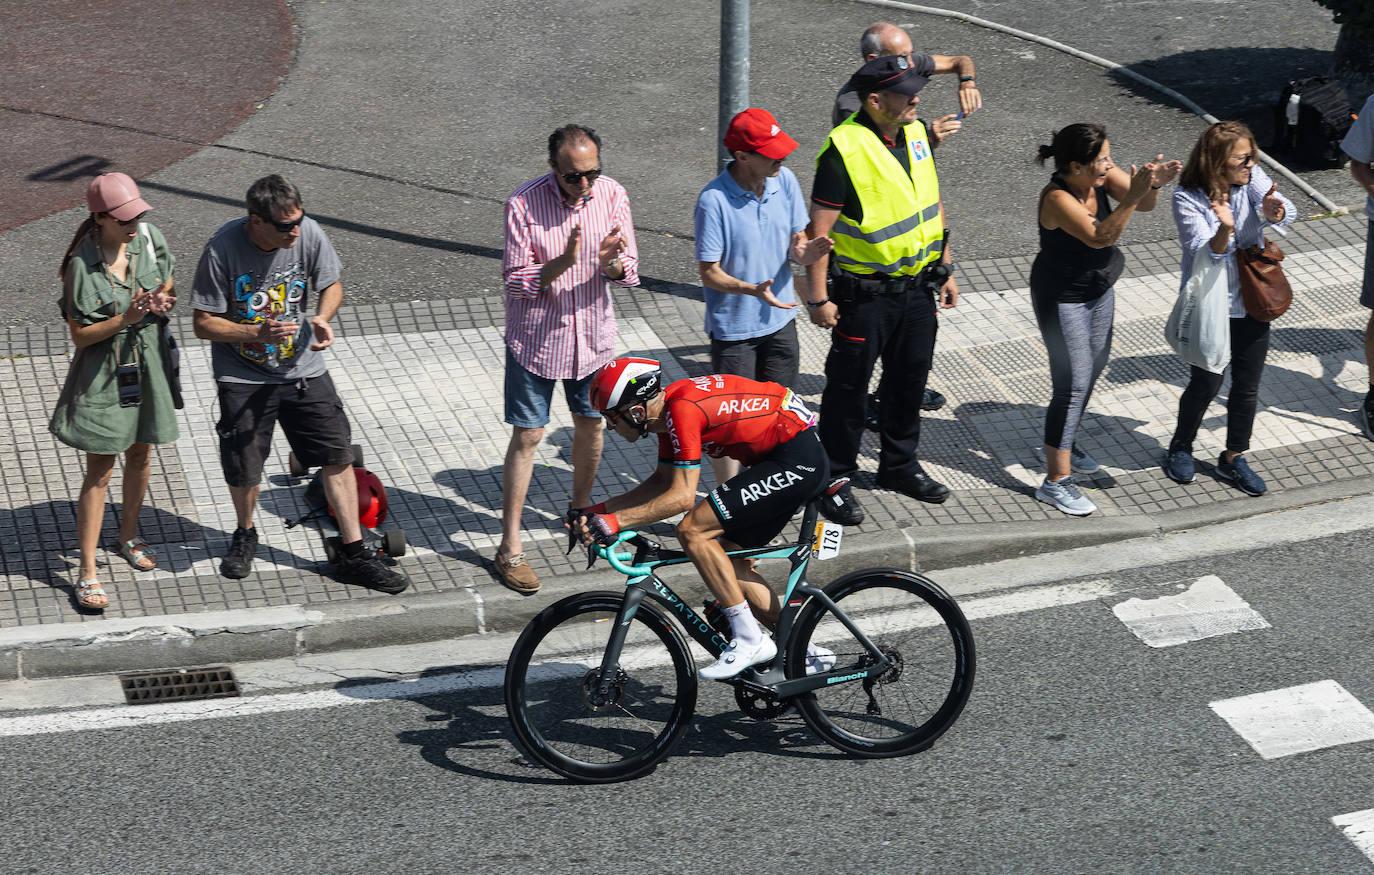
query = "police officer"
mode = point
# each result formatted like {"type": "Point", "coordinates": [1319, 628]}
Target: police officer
{"type": "Point", "coordinates": [877, 196]}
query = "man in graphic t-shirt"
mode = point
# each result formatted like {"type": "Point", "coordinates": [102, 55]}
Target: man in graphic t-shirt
{"type": "Point", "coordinates": [251, 298]}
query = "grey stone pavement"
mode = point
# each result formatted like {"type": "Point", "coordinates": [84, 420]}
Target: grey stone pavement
{"type": "Point", "coordinates": [414, 208]}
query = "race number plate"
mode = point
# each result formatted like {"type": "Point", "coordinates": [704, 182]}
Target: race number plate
{"type": "Point", "coordinates": [827, 543]}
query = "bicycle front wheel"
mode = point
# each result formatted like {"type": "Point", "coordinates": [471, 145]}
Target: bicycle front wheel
{"type": "Point", "coordinates": [917, 626]}
{"type": "Point", "coordinates": [554, 702]}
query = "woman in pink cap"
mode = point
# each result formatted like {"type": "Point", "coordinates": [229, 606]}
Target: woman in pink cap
{"type": "Point", "coordinates": [121, 393]}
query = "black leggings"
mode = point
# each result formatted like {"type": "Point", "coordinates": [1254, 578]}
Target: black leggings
{"type": "Point", "coordinates": [1249, 346]}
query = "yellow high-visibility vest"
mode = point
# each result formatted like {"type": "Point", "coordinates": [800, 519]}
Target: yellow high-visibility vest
{"type": "Point", "coordinates": [901, 231]}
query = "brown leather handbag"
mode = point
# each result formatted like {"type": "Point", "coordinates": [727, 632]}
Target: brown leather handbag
{"type": "Point", "coordinates": [1263, 288]}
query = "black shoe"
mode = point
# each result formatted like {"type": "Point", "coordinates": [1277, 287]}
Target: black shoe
{"type": "Point", "coordinates": [239, 560]}
{"type": "Point", "coordinates": [367, 569]}
{"type": "Point", "coordinates": [839, 505]}
{"type": "Point", "coordinates": [916, 485]}
{"type": "Point", "coordinates": [932, 400]}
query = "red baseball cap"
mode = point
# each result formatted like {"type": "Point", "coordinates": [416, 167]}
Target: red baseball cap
{"type": "Point", "coordinates": [116, 194]}
{"type": "Point", "coordinates": [755, 130]}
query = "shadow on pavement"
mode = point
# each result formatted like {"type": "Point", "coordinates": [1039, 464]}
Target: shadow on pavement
{"type": "Point", "coordinates": [1241, 83]}
{"type": "Point", "coordinates": [474, 722]}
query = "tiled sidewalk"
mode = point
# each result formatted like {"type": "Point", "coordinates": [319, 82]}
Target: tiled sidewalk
{"type": "Point", "coordinates": [422, 382]}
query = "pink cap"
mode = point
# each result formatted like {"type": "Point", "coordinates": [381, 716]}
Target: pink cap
{"type": "Point", "coordinates": [116, 194]}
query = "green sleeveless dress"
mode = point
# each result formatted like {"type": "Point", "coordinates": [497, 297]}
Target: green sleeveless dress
{"type": "Point", "coordinates": [88, 414]}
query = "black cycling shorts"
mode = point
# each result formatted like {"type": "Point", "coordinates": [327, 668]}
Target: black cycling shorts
{"type": "Point", "coordinates": [311, 415]}
{"type": "Point", "coordinates": [755, 505]}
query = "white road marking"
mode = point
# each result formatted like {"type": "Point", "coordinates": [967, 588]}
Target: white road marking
{"type": "Point", "coordinates": [129, 716]}
{"type": "Point", "coordinates": [1358, 826]}
{"type": "Point", "coordinates": [1293, 720]}
{"type": "Point", "coordinates": [1205, 609]}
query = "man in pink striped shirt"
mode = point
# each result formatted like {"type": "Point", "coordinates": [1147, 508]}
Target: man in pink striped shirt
{"type": "Point", "coordinates": [569, 238]}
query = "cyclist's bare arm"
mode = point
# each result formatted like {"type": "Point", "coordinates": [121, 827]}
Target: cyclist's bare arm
{"type": "Point", "coordinates": [668, 492]}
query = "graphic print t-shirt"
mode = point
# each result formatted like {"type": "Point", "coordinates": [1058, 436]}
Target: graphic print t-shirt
{"type": "Point", "coordinates": [726, 415]}
{"type": "Point", "coordinates": [247, 285]}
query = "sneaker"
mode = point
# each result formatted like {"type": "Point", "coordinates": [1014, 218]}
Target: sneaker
{"type": "Point", "coordinates": [737, 657]}
{"type": "Point", "coordinates": [1064, 496]}
{"type": "Point", "coordinates": [239, 560]}
{"type": "Point", "coordinates": [839, 504]}
{"type": "Point", "coordinates": [819, 659]}
{"type": "Point", "coordinates": [1238, 472]}
{"type": "Point", "coordinates": [1079, 460]}
{"type": "Point", "coordinates": [516, 574]}
{"type": "Point", "coordinates": [932, 400]}
{"type": "Point", "coordinates": [1179, 466]}
{"type": "Point", "coordinates": [367, 569]}
{"type": "Point", "coordinates": [1367, 418]}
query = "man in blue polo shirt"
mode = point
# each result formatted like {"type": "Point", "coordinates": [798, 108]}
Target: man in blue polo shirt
{"type": "Point", "coordinates": [750, 220]}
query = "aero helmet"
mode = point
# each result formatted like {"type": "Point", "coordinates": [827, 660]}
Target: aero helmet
{"type": "Point", "coordinates": [626, 380]}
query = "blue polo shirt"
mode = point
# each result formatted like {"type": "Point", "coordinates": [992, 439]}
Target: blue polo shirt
{"type": "Point", "coordinates": [750, 238]}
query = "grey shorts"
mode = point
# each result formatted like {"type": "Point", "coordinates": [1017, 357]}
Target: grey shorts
{"type": "Point", "coordinates": [1367, 292]}
{"type": "Point", "coordinates": [772, 358]}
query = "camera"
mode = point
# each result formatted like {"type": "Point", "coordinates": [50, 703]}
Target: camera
{"type": "Point", "coordinates": [129, 382]}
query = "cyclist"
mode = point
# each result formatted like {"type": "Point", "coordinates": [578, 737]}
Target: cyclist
{"type": "Point", "coordinates": [765, 427]}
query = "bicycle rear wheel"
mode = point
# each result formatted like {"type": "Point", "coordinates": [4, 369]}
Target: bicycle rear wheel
{"type": "Point", "coordinates": [917, 625]}
{"type": "Point", "coordinates": [551, 689]}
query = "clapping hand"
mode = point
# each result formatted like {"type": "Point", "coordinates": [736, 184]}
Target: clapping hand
{"type": "Point", "coordinates": [764, 292]}
{"type": "Point", "coordinates": [1164, 172]}
{"type": "Point", "coordinates": [944, 126]}
{"type": "Point", "coordinates": [161, 300]}
{"type": "Point", "coordinates": [1273, 205]}
{"type": "Point", "coordinates": [1223, 212]}
{"type": "Point", "coordinates": [1142, 181]}
{"type": "Point", "coordinates": [807, 251]}
{"type": "Point", "coordinates": [139, 306]}
{"type": "Point", "coordinates": [611, 246]}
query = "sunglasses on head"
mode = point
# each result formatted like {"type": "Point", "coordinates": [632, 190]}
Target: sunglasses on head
{"type": "Point", "coordinates": [574, 178]}
{"type": "Point", "coordinates": [283, 227]}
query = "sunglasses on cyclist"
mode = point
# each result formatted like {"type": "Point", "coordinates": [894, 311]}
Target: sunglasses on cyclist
{"type": "Point", "coordinates": [574, 178]}
{"type": "Point", "coordinates": [283, 227]}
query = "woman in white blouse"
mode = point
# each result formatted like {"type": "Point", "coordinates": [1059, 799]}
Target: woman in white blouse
{"type": "Point", "coordinates": [1224, 202]}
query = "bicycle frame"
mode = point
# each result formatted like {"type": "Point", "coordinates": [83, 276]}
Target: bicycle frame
{"type": "Point", "coordinates": [642, 582]}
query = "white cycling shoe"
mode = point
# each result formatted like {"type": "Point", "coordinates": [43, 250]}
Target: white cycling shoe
{"type": "Point", "coordinates": [737, 657]}
{"type": "Point", "coordinates": [819, 659]}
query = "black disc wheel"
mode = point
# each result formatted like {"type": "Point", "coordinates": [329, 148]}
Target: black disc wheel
{"type": "Point", "coordinates": [925, 637]}
{"type": "Point", "coordinates": [394, 543]}
{"type": "Point", "coordinates": [567, 719]}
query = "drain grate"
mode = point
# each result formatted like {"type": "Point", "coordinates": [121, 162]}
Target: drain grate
{"type": "Point", "coordinates": [181, 685]}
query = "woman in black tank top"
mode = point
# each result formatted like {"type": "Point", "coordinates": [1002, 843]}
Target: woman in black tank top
{"type": "Point", "coordinates": [1072, 282]}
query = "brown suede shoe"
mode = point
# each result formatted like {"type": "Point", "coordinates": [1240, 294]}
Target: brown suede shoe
{"type": "Point", "coordinates": [516, 574]}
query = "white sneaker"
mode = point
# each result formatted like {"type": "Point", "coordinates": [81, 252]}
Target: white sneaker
{"type": "Point", "coordinates": [819, 659]}
{"type": "Point", "coordinates": [1064, 495]}
{"type": "Point", "coordinates": [737, 657]}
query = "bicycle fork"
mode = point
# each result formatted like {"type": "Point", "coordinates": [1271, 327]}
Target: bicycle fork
{"type": "Point", "coordinates": [610, 660]}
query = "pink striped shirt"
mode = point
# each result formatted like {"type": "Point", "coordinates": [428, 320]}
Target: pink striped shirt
{"type": "Point", "coordinates": [566, 331]}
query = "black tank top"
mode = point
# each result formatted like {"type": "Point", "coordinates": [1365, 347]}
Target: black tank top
{"type": "Point", "coordinates": [1066, 269]}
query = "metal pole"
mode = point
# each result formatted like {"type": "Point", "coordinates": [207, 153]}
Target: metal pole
{"type": "Point", "coordinates": [734, 68]}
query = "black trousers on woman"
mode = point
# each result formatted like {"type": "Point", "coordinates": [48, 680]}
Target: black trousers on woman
{"type": "Point", "coordinates": [1249, 347]}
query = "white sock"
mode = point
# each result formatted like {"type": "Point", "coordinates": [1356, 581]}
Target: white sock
{"type": "Point", "coordinates": [811, 650]}
{"type": "Point", "coordinates": [743, 627]}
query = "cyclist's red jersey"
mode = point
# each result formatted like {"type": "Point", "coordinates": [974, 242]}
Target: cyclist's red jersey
{"type": "Point", "coordinates": [726, 415]}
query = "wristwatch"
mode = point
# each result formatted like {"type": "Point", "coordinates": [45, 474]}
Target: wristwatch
{"type": "Point", "coordinates": [963, 79]}
{"type": "Point", "coordinates": [821, 303]}
{"type": "Point", "coordinates": [614, 267]}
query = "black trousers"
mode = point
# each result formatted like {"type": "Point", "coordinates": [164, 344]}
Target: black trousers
{"type": "Point", "coordinates": [1249, 347]}
{"type": "Point", "coordinates": [900, 330]}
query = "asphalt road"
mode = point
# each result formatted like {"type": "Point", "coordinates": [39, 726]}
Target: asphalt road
{"type": "Point", "coordinates": [1082, 751]}
{"type": "Point", "coordinates": [406, 124]}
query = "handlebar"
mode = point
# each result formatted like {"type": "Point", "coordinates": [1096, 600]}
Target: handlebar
{"type": "Point", "coordinates": [618, 560]}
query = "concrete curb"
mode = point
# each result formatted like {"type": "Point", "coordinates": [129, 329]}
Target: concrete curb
{"type": "Point", "coordinates": [183, 640]}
